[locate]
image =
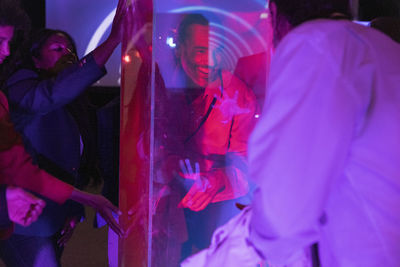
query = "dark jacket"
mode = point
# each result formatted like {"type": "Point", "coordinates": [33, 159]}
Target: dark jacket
{"type": "Point", "coordinates": [6, 226]}
{"type": "Point", "coordinates": [40, 111]}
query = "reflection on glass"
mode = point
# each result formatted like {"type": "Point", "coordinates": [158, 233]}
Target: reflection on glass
{"type": "Point", "coordinates": [202, 125]}
{"type": "Point", "coordinates": [190, 100]}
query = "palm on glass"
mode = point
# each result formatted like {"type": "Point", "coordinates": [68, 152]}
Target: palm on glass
{"type": "Point", "coordinates": [103, 52]}
{"type": "Point", "coordinates": [205, 187]}
{"type": "Point", "coordinates": [102, 205]}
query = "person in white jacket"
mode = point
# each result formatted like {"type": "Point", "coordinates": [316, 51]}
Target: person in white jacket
{"type": "Point", "coordinates": [325, 153]}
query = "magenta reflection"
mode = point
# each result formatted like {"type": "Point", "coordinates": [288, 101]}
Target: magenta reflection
{"type": "Point", "coordinates": [202, 122]}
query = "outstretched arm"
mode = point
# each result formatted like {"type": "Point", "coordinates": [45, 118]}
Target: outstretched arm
{"type": "Point", "coordinates": [16, 169]}
{"type": "Point", "coordinates": [32, 94]}
{"type": "Point", "coordinates": [103, 52]}
{"type": "Point", "coordinates": [101, 205]}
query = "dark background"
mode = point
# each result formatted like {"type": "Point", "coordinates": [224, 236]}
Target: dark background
{"type": "Point", "coordinates": [368, 10]}
{"type": "Point", "coordinates": [36, 10]}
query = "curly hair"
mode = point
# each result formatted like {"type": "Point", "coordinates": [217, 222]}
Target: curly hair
{"type": "Point", "coordinates": [11, 14]}
{"type": "Point", "coordinates": [299, 11]}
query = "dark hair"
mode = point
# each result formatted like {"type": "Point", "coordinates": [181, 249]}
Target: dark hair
{"type": "Point", "coordinates": [299, 11]}
{"type": "Point", "coordinates": [11, 14]}
{"type": "Point", "coordinates": [40, 37]}
{"type": "Point", "coordinates": [37, 40]}
{"type": "Point", "coordinates": [186, 22]}
{"type": "Point", "coordinates": [89, 172]}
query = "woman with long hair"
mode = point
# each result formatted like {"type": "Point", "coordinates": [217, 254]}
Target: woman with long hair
{"type": "Point", "coordinates": [40, 97]}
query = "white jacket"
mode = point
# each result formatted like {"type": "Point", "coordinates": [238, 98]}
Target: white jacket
{"type": "Point", "coordinates": [326, 151]}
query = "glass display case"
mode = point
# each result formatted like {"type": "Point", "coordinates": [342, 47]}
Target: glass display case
{"type": "Point", "coordinates": [193, 84]}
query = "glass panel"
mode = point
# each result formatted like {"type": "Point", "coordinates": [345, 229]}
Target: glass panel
{"type": "Point", "coordinates": [193, 85]}
{"type": "Point", "coordinates": [135, 133]}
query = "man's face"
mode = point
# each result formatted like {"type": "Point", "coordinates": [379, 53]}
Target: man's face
{"type": "Point", "coordinates": [195, 55]}
{"type": "Point", "coordinates": [6, 34]}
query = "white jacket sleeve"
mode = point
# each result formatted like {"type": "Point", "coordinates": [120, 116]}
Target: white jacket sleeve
{"type": "Point", "coordinates": [299, 147]}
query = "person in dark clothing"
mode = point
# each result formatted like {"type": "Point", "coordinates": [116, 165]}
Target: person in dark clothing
{"type": "Point", "coordinates": [46, 107]}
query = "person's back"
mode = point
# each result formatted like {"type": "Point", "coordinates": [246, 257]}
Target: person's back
{"type": "Point", "coordinates": [345, 81]}
{"type": "Point", "coordinates": [363, 213]}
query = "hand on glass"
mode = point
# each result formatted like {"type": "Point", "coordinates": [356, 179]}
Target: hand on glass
{"type": "Point", "coordinates": [188, 174]}
{"type": "Point", "coordinates": [103, 52]}
{"type": "Point", "coordinates": [106, 209]}
{"type": "Point", "coordinates": [139, 28]}
{"type": "Point", "coordinates": [23, 207]}
{"type": "Point", "coordinates": [119, 19]}
{"type": "Point", "coordinates": [231, 107]}
{"type": "Point", "coordinates": [187, 170]}
{"type": "Point", "coordinates": [137, 214]}
{"type": "Point", "coordinates": [102, 205]}
{"type": "Point", "coordinates": [68, 230]}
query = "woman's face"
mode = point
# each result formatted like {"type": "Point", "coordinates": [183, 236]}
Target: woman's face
{"type": "Point", "coordinates": [55, 47]}
{"type": "Point", "coordinates": [6, 34]}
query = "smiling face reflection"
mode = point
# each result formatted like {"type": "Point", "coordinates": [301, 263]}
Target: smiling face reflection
{"type": "Point", "coordinates": [195, 55]}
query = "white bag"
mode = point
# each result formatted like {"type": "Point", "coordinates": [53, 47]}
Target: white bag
{"type": "Point", "coordinates": [230, 247]}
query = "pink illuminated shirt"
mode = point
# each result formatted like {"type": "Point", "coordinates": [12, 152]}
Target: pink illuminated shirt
{"type": "Point", "coordinates": [219, 141]}
{"type": "Point", "coordinates": [325, 153]}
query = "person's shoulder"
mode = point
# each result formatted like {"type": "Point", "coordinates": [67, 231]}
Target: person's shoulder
{"type": "Point", "coordinates": [337, 37]}
{"type": "Point", "coordinates": [328, 38]}
{"type": "Point", "coordinates": [330, 32]}
{"type": "Point", "coordinates": [21, 74]}
{"type": "Point", "coordinates": [323, 27]}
